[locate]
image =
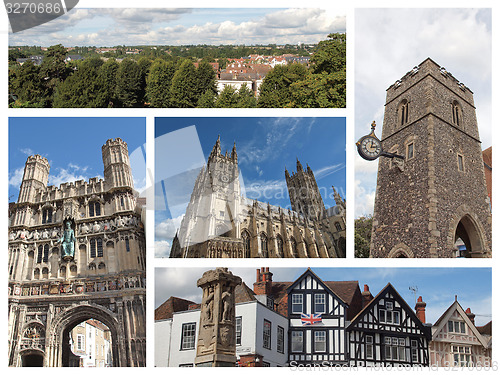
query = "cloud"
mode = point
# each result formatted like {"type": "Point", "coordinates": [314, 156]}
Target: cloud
{"type": "Point", "coordinates": [106, 27]}
{"type": "Point", "coordinates": [16, 177]}
{"type": "Point", "coordinates": [70, 174]}
{"type": "Point", "coordinates": [328, 170]}
{"type": "Point", "coordinates": [364, 200]}
{"type": "Point", "coordinates": [27, 151]}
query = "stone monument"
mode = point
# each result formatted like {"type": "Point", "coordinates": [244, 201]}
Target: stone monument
{"type": "Point", "coordinates": [216, 340]}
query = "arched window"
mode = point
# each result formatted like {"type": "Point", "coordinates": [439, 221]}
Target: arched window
{"type": "Point", "coordinates": [279, 244]}
{"type": "Point", "coordinates": [338, 227]}
{"type": "Point", "coordinates": [94, 209]}
{"type": "Point", "coordinates": [246, 243]}
{"type": "Point", "coordinates": [293, 244]}
{"type": "Point", "coordinates": [47, 215]}
{"type": "Point", "coordinates": [263, 245]}
{"type": "Point", "coordinates": [39, 255]}
{"type": "Point", "coordinates": [127, 244]}
{"type": "Point", "coordinates": [403, 112]}
{"type": "Point", "coordinates": [46, 253]}
{"type": "Point", "coordinates": [456, 113]}
{"type": "Point", "coordinates": [96, 247]}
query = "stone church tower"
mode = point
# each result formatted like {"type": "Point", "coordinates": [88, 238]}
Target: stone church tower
{"type": "Point", "coordinates": [76, 252]}
{"type": "Point", "coordinates": [436, 198]}
{"type": "Point", "coordinates": [304, 193]}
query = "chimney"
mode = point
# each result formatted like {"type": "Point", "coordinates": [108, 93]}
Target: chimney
{"type": "Point", "coordinates": [264, 282]}
{"type": "Point", "coordinates": [420, 309]}
{"type": "Point", "coordinates": [366, 296]}
{"type": "Point", "coordinates": [470, 315]}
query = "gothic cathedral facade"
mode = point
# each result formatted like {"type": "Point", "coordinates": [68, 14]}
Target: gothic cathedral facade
{"type": "Point", "coordinates": [436, 200]}
{"type": "Point", "coordinates": [76, 252]}
{"type": "Point", "coordinates": [221, 223]}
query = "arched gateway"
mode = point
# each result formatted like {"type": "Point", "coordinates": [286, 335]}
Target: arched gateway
{"type": "Point", "coordinates": [76, 253]}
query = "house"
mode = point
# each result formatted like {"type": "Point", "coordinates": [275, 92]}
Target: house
{"type": "Point", "coordinates": [260, 332]}
{"type": "Point", "coordinates": [457, 342]}
{"type": "Point", "coordinates": [318, 313]}
{"type": "Point", "coordinates": [387, 332]}
{"type": "Point", "coordinates": [306, 322]}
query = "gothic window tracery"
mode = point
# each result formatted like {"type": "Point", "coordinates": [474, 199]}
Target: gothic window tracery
{"type": "Point", "coordinates": [96, 248]}
{"type": "Point", "coordinates": [279, 243]}
{"type": "Point", "coordinates": [263, 245]}
{"type": "Point", "coordinates": [94, 209]}
{"type": "Point", "coordinates": [246, 243]}
{"type": "Point", "coordinates": [403, 112]}
{"type": "Point", "coordinates": [47, 215]}
{"type": "Point", "coordinates": [456, 113]}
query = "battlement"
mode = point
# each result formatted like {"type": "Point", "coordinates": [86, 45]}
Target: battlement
{"type": "Point", "coordinates": [114, 142]}
{"type": "Point", "coordinates": [95, 185]}
{"type": "Point", "coordinates": [38, 159]}
{"type": "Point", "coordinates": [429, 68]}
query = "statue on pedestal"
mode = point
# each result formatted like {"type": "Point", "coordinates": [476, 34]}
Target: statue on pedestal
{"type": "Point", "coordinates": [67, 242]}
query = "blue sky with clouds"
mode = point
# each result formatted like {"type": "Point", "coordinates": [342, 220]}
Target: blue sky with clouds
{"type": "Point", "coordinates": [437, 286]}
{"type": "Point", "coordinates": [458, 39]}
{"type": "Point", "coordinates": [111, 27]}
{"type": "Point", "coordinates": [72, 146]}
{"type": "Point", "coordinates": [265, 146]}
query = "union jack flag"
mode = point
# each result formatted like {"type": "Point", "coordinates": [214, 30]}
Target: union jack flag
{"type": "Point", "coordinates": [308, 319]}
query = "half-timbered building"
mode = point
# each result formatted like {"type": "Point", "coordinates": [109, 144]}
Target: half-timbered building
{"type": "Point", "coordinates": [387, 332]}
{"type": "Point", "coordinates": [318, 312]}
{"type": "Point", "coordinates": [457, 342]}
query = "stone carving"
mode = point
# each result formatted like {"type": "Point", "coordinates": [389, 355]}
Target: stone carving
{"type": "Point", "coordinates": [216, 339]}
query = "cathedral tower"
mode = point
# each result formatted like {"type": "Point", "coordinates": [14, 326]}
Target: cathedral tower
{"type": "Point", "coordinates": [305, 197]}
{"type": "Point", "coordinates": [215, 202]}
{"type": "Point", "coordinates": [117, 172]}
{"type": "Point", "coordinates": [436, 199]}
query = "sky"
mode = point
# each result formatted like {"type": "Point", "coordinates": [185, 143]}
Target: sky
{"type": "Point", "coordinates": [265, 146]}
{"type": "Point", "coordinates": [457, 39]}
{"type": "Point", "coordinates": [437, 286]}
{"type": "Point", "coordinates": [72, 146]}
{"type": "Point", "coordinates": [108, 27]}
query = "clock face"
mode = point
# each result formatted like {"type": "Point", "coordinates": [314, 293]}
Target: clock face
{"type": "Point", "coordinates": [369, 147]}
{"type": "Point", "coordinates": [224, 178]}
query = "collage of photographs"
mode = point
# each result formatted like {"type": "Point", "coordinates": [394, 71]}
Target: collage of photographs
{"type": "Point", "coordinates": [303, 186]}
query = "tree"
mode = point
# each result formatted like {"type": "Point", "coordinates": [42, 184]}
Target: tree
{"type": "Point", "coordinates": [108, 74]}
{"type": "Point", "coordinates": [158, 83]}
{"type": "Point", "coordinates": [128, 84]}
{"type": "Point", "coordinates": [205, 75]}
{"type": "Point", "coordinates": [183, 92]}
{"type": "Point", "coordinates": [53, 68]}
{"type": "Point", "coordinates": [275, 89]}
{"type": "Point", "coordinates": [246, 98]}
{"type": "Point", "coordinates": [84, 88]}
{"type": "Point", "coordinates": [27, 87]}
{"type": "Point", "coordinates": [207, 100]}
{"type": "Point", "coordinates": [144, 66]}
{"type": "Point", "coordinates": [228, 98]}
{"type": "Point", "coordinates": [362, 236]}
{"type": "Point", "coordinates": [321, 90]}
{"type": "Point", "coordinates": [330, 55]}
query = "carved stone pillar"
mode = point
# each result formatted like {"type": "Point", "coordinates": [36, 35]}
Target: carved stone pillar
{"type": "Point", "coordinates": [217, 340]}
